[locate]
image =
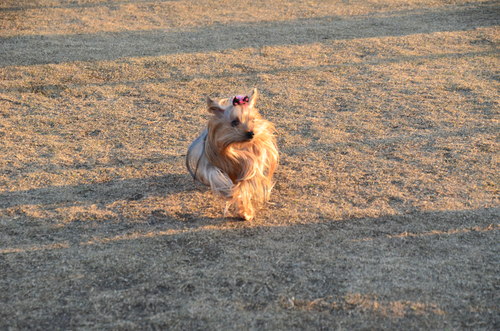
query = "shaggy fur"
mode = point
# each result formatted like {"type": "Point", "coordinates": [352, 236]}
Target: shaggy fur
{"type": "Point", "coordinates": [236, 155]}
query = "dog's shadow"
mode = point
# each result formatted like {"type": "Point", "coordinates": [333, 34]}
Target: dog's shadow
{"type": "Point", "coordinates": [193, 220]}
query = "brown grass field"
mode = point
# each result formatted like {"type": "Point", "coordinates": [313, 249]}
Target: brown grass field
{"type": "Point", "coordinates": [385, 214]}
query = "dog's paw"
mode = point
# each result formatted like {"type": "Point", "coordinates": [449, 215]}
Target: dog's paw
{"type": "Point", "coordinates": [247, 217]}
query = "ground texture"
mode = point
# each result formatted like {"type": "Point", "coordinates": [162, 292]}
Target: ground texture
{"type": "Point", "coordinates": [385, 213]}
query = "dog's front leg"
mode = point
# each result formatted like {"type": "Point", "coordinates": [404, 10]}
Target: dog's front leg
{"type": "Point", "coordinates": [220, 182]}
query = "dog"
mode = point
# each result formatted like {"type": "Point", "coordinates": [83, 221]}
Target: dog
{"type": "Point", "coordinates": [236, 154]}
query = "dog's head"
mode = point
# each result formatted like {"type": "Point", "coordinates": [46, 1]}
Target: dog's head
{"type": "Point", "coordinates": [235, 119]}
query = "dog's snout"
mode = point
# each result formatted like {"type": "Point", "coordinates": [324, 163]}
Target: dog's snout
{"type": "Point", "coordinates": [250, 134]}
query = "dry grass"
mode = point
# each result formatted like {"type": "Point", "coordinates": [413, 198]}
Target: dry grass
{"type": "Point", "coordinates": [385, 213]}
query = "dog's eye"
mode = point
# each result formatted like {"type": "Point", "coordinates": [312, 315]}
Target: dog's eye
{"type": "Point", "coordinates": [235, 123]}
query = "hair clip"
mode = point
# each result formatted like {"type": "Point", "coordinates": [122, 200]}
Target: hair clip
{"type": "Point", "coordinates": [240, 100]}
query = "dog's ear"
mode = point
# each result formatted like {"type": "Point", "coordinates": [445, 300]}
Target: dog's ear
{"type": "Point", "coordinates": [253, 98]}
{"type": "Point", "coordinates": [214, 107]}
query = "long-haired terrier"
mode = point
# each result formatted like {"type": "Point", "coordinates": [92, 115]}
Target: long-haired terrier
{"type": "Point", "coordinates": [236, 155]}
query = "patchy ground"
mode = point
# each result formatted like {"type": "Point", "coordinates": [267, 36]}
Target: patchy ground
{"type": "Point", "coordinates": [386, 208]}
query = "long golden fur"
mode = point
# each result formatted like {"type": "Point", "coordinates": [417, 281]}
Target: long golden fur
{"type": "Point", "coordinates": [236, 155]}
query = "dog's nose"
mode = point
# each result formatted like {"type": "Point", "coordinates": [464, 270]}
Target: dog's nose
{"type": "Point", "coordinates": [250, 134]}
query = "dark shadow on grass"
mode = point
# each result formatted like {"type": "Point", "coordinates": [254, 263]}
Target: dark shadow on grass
{"type": "Point", "coordinates": [74, 5]}
{"type": "Point", "coordinates": [439, 280]}
{"type": "Point", "coordinates": [106, 192]}
{"type": "Point", "coordinates": [45, 49]}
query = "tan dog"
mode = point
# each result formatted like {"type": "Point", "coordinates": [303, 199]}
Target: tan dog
{"type": "Point", "coordinates": [236, 155]}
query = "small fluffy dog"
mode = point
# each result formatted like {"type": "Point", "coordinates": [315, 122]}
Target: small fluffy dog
{"type": "Point", "coordinates": [236, 155]}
